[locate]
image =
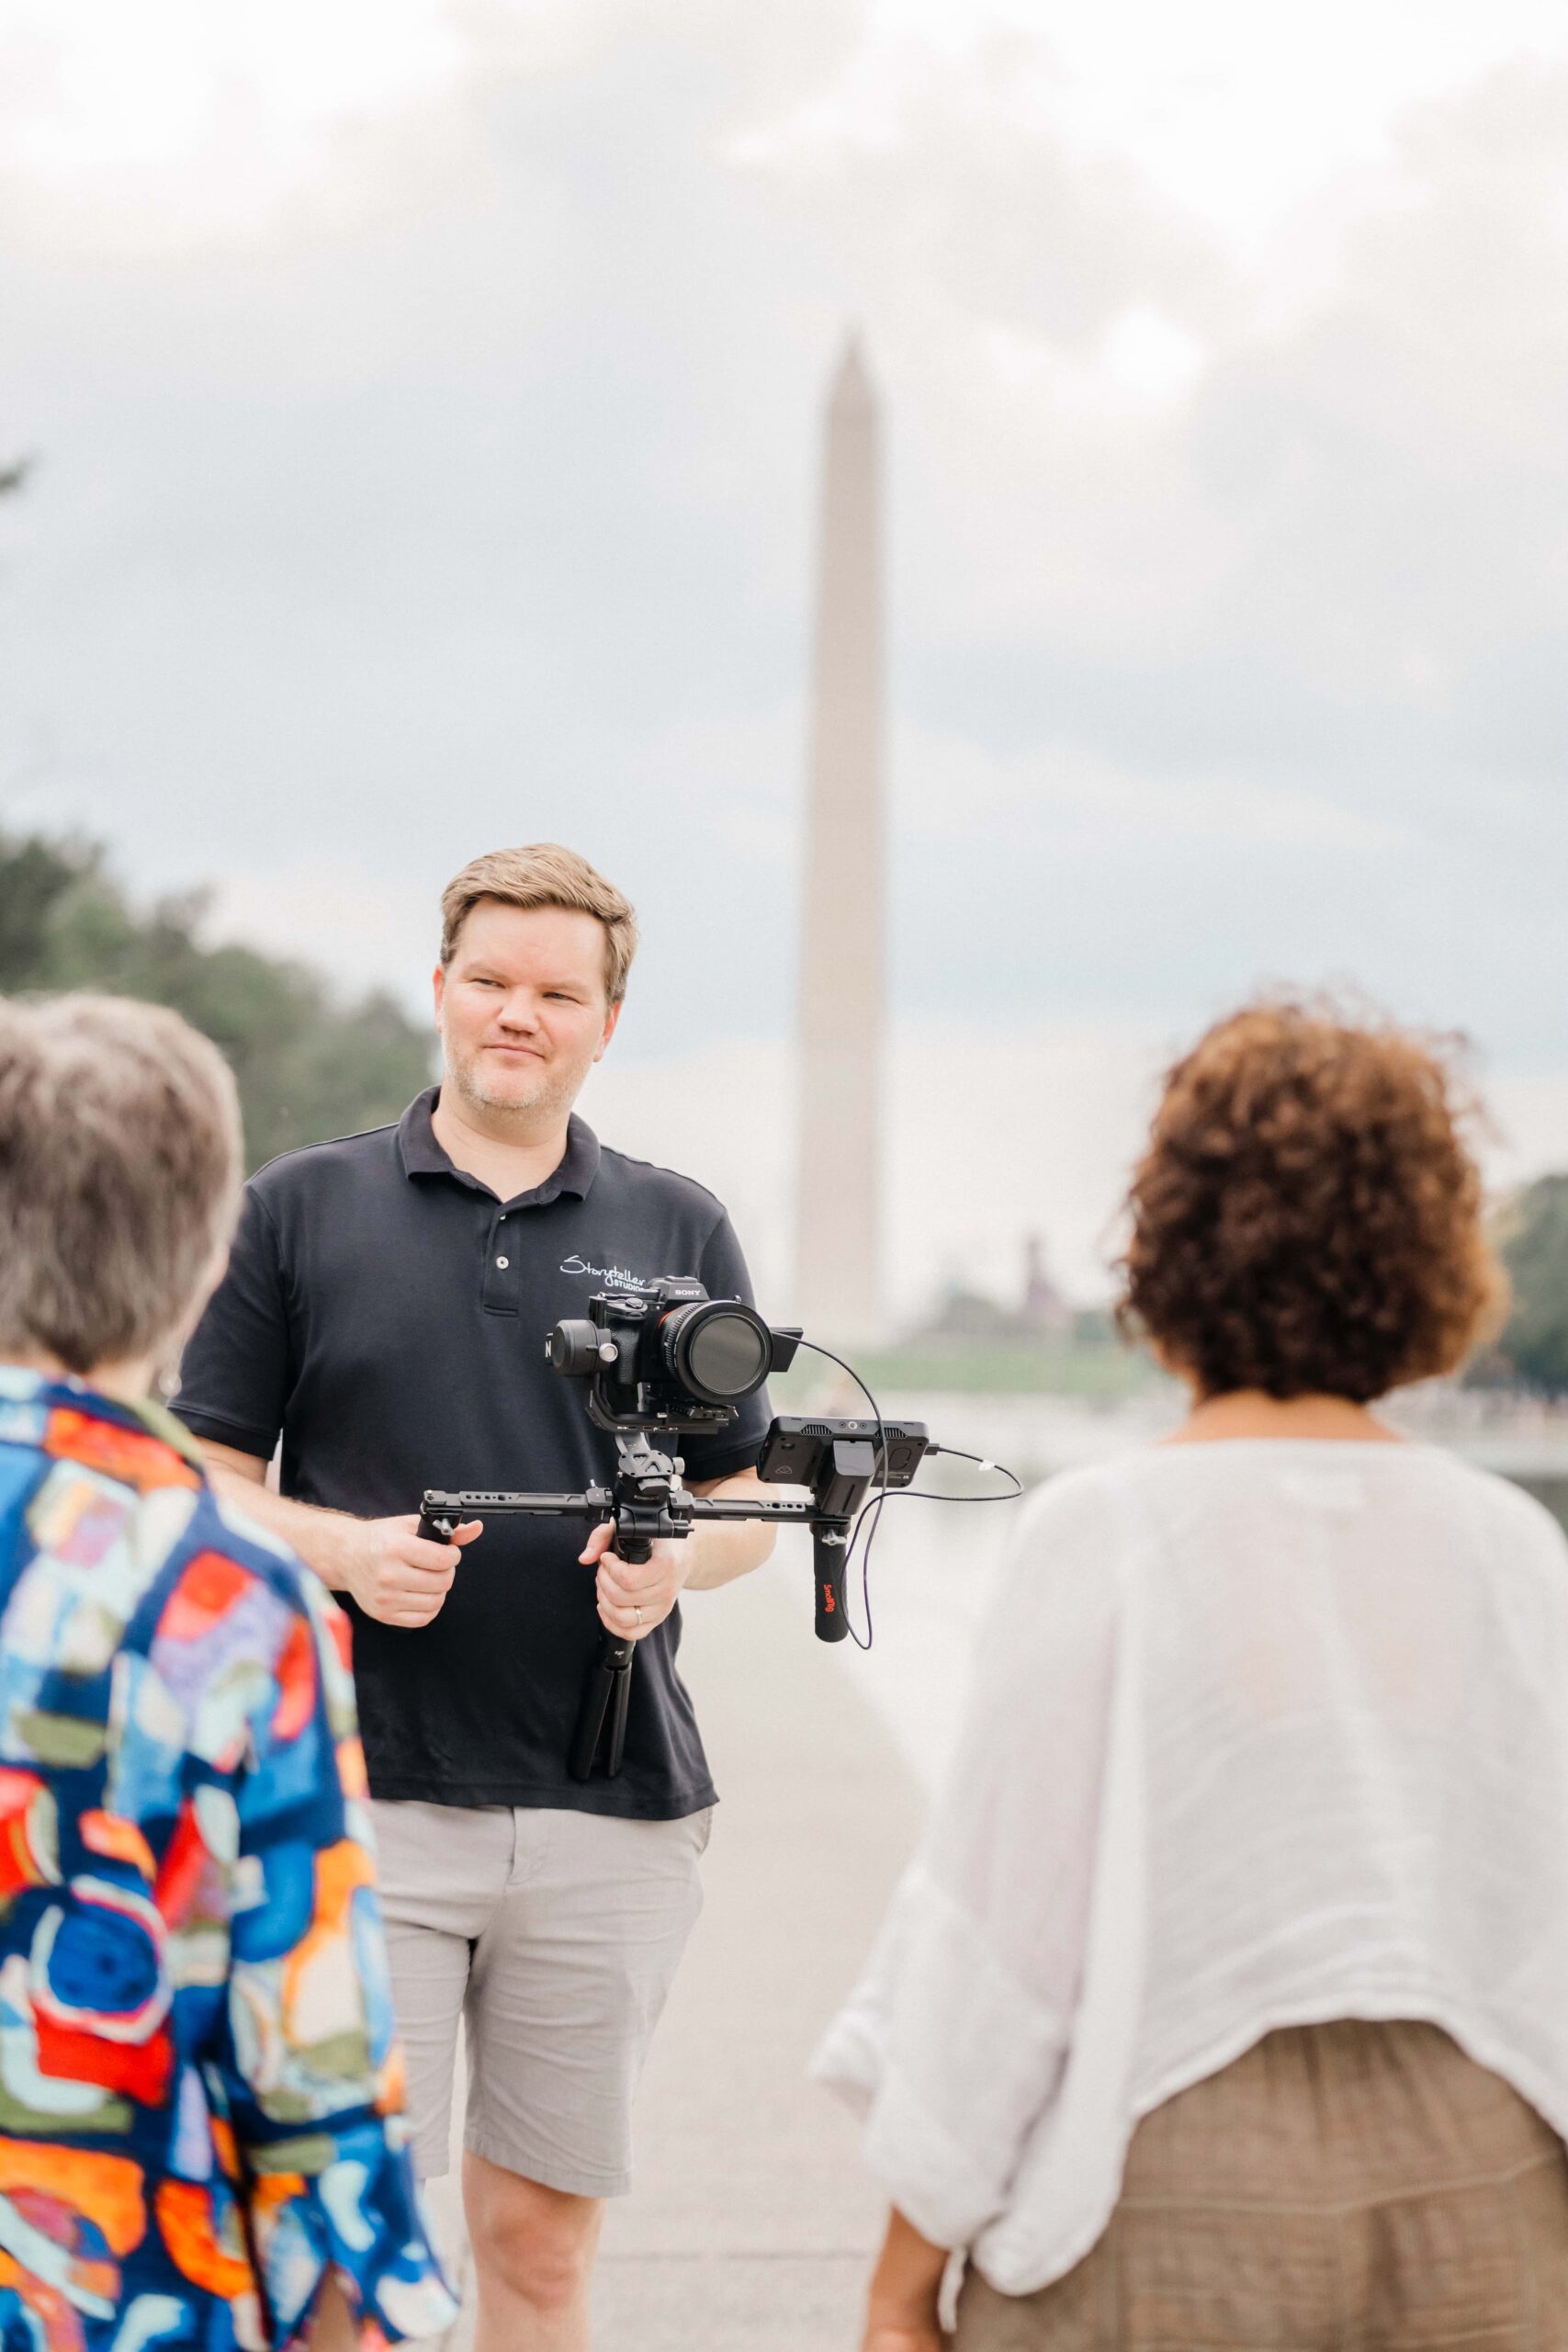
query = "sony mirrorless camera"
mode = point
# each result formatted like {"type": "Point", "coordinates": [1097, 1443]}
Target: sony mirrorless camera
{"type": "Point", "coordinates": [668, 1357]}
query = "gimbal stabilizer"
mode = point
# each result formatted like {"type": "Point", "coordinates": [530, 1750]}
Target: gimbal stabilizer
{"type": "Point", "coordinates": [840, 1461]}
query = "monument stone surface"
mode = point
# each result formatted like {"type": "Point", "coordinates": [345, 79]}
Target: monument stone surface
{"type": "Point", "coordinates": [842, 983]}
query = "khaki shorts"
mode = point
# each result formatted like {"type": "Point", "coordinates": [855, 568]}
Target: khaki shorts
{"type": "Point", "coordinates": [555, 1935]}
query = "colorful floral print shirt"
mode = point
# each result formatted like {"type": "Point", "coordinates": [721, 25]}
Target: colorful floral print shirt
{"type": "Point", "coordinates": [200, 2081]}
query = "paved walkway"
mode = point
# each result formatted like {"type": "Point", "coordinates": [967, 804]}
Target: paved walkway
{"type": "Point", "coordinates": [752, 2224]}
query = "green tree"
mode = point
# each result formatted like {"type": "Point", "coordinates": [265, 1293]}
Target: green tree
{"type": "Point", "coordinates": [307, 1065]}
{"type": "Point", "coordinates": [1534, 1250]}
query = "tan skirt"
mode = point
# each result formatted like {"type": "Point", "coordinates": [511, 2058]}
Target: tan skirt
{"type": "Point", "coordinates": [1367, 2188]}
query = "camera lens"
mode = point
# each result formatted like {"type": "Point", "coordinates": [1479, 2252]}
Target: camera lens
{"type": "Point", "coordinates": [718, 1348]}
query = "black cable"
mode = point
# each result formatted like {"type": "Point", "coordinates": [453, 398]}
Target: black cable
{"type": "Point", "coordinates": [922, 1495]}
{"type": "Point", "coordinates": [872, 1507]}
{"type": "Point", "coordinates": [876, 1502]}
{"type": "Point", "coordinates": [819, 1349]}
{"type": "Point", "coordinates": [925, 1495]}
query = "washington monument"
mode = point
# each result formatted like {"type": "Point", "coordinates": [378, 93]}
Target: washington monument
{"type": "Point", "coordinates": [838, 1273]}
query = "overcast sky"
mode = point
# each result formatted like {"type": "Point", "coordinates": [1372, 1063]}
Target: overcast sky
{"type": "Point", "coordinates": [427, 400]}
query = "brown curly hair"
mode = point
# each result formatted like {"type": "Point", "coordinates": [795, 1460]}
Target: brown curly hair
{"type": "Point", "coordinates": [1307, 1212]}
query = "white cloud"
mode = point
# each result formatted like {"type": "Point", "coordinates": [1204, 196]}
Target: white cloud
{"type": "Point", "coordinates": [952, 788]}
{"type": "Point", "coordinates": [327, 912]}
{"type": "Point", "coordinates": [1237, 112]}
{"type": "Point", "coordinates": [177, 122]}
{"type": "Point", "coordinates": [733, 778]}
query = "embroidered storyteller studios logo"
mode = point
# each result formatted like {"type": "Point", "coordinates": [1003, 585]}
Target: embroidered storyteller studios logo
{"type": "Point", "coordinates": [620, 1277]}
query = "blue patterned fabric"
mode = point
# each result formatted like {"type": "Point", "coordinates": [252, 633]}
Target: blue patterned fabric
{"type": "Point", "coordinates": [200, 2089]}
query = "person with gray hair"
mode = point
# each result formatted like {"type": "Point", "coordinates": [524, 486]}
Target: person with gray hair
{"type": "Point", "coordinates": [200, 2130]}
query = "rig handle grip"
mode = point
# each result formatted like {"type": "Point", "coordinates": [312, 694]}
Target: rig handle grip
{"type": "Point", "coordinates": [829, 1550]}
{"type": "Point", "coordinates": [432, 1530]}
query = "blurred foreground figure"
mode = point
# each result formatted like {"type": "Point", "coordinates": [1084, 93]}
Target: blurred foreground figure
{"type": "Point", "coordinates": [1225, 2003]}
{"type": "Point", "coordinates": [200, 2141]}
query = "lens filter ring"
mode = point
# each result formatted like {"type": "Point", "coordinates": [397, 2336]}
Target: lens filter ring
{"type": "Point", "coordinates": [718, 1348]}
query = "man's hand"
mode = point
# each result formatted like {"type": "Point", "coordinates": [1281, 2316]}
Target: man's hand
{"type": "Point", "coordinates": [905, 2339]}
{"type": "Point", "coordinates": [395, 1574]}
{"type": "Point", "coordinates": [635, 1596]}
{"type": "Point", "coordinates": [392, 1572]}
{"type": "Point", "coordinates": [715, 1553]}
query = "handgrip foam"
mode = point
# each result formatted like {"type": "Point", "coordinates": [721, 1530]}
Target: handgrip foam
{"type": "Point", "coordinates": [829, 1550]}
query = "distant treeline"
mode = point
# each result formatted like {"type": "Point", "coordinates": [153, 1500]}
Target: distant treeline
{"type": "Point", "coordinates": [310, 1065]}
{"type": "Point", "coordinates": [307, 1065]}
{"type": "Point", "coordinates": [1534, 1237]}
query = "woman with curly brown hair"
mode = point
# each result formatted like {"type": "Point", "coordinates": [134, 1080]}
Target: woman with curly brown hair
{"type": "Point", "coordinates": [1225, 2004]}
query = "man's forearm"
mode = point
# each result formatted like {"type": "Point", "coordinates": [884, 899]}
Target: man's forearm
{"type": "Point", "coordinates": [719, 1550]}
{"type": "Point", "coordinates": [317, 1535]}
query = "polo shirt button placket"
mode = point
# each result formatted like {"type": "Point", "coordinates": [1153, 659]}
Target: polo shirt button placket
{"type": "Point", "coordinates": [502, 1270]}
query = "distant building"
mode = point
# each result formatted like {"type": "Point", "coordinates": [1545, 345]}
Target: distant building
{"type": "Point", "coordinates": [969, 1318]}
{"type": "Point", "coordinates": [1043, 1308]}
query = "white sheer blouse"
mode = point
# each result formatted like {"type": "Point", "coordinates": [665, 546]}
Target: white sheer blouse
{"type": "Point", "coordinates": [1262, 1732]}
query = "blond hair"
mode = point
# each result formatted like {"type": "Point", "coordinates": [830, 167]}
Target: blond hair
{"type": "Point", "coordinates": [119, 1175]}
{"type": "Point", "coordinates": [543, 874]}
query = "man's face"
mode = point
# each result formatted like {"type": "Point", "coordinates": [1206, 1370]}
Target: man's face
{"type": "Point", "coordinates": [522, 1009]}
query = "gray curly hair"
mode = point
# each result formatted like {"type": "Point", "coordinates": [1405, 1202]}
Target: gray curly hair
{"type": "Point", "coordinates": [119, 1176]}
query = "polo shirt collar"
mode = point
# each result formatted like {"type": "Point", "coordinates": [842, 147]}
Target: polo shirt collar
{"type": "Point", "coordinates": [423, 1155]}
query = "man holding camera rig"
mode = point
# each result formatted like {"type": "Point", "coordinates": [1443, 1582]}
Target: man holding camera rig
{"type": "Point", "coordinates": [384, 1314]}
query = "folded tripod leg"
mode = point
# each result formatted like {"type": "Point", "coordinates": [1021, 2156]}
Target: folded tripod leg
{"type": "Point", "coordinates": [602, 1718]}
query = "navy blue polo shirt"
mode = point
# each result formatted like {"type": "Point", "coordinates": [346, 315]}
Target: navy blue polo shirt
{"type": "Point", "coordinates": [386, 1315]}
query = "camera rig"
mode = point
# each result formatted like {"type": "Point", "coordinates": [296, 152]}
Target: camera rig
{"type": "Point", "coordinates": [672, 1360]}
